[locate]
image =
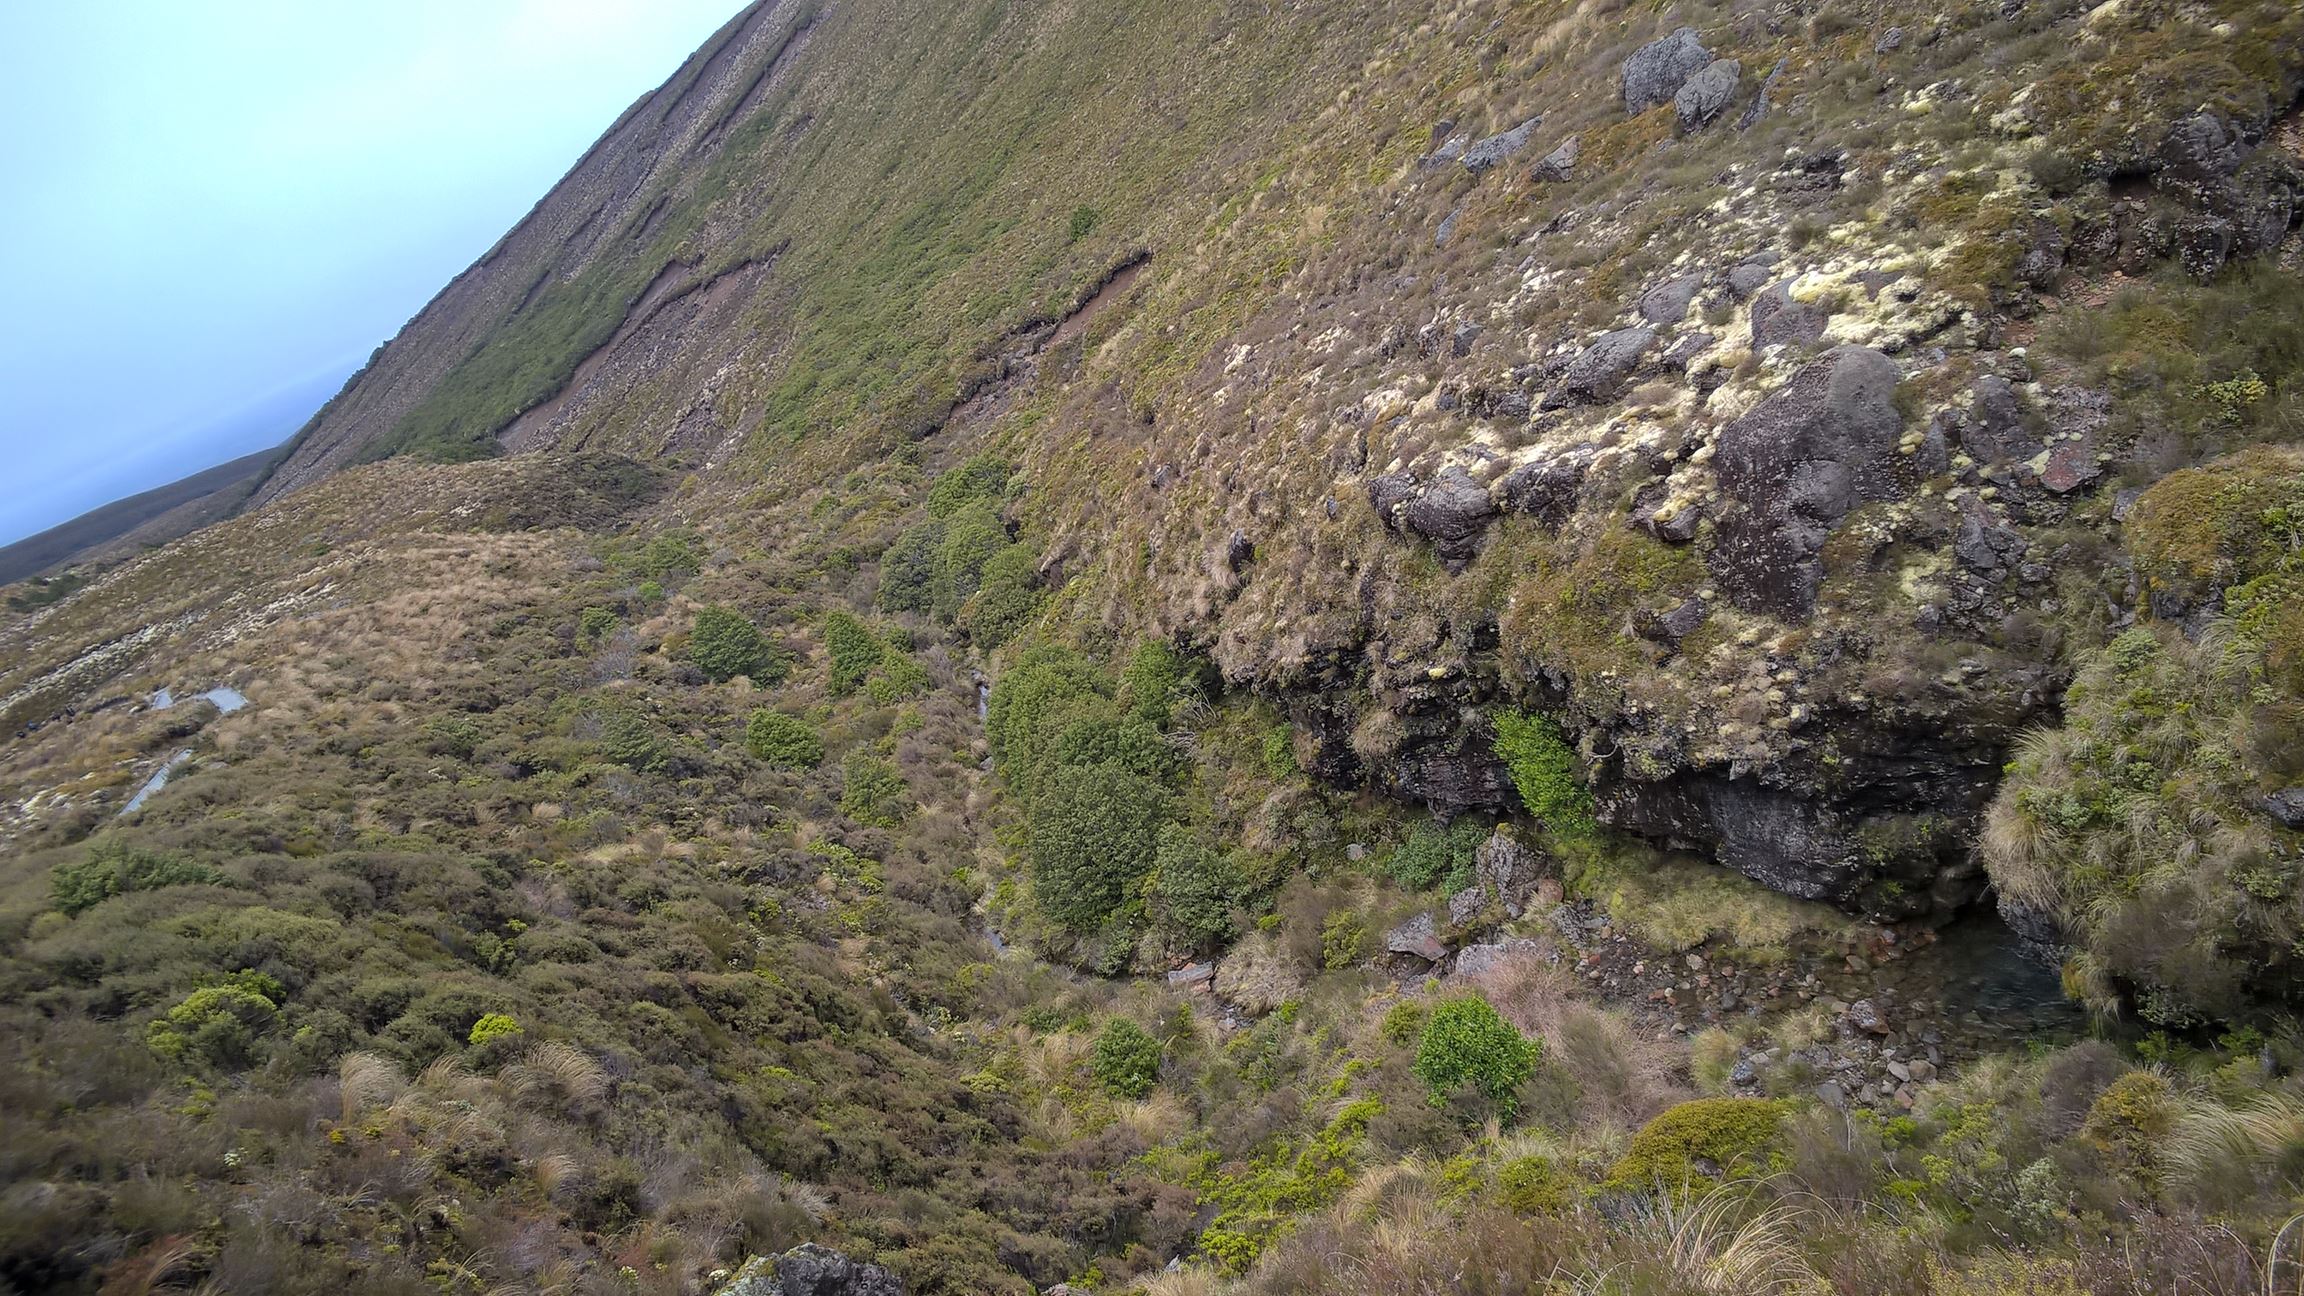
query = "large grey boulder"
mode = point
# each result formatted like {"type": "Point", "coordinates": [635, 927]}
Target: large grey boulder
{"type": "Point", "coordinates": [1451, 510]}
{"type": "Point", "coordinates": [1657, 70]}
{"type": "Point", "coordinates": [1599, 372]}
{"type": "Point", "coordinates": [810, 1270]}
{"type": "Point", "coordinates": [1705, 95]}
{"type": "Point", "coordinates": [1778, 318]}
{"type": "Point", "coordinates": [1494, 149]}
{"type": "Point", "coordinates": [1547, 489]}
{"type": "Point", "coordinates": [1793, 466]}
{"type": "Point", "coordinates": [1668, 302]}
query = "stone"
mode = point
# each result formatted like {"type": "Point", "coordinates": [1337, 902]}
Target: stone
{"type": "Point", "coordinates": [1983, 544]}
{"type": "Point", "coordinates": [1655, 511]}
{"type": "Point", "coordinates": [1418, 937]}
{"type": "Point", "coordinates": [1780, 319]}
{"type": "Point", "coordinates": [1751, 274]}
{"type": "Point", "coordinates": [1507, 870]}
{"type": "Point", "coordinates": [1758, 108]}
{"type": "Point", "coordinates": [1494, 149]}
{"type": "Point", "coordinates": [2286, 806]}
{"type": "Point", "coordinates": [1831, 1094]}
{"type": "Point", "coordinates": [2070, 465]}
{"type": "Point", "coordinates": [1673, 626]}
{"type": "Point", "coordinates": [1191, 976]}
{"type": "Point", "coordinates": [1890, 41]}
{"type": "Point", "coordinates": [1547, 489]}
{"type": "Point", "coordinates": [1995, 428]}
{"type": "Point", "coordinates": [1704, 96]}
{"type": "Point", "coordinates": [1791, 467]}
{"type": "Point", "coordinates": [1460, 341]}
{"type": "Point", "coordinates": [1866, 1016]}
{"type": "Point", "coordinates": [1657, 70]}
{"type": "Point", "coordinates": [1558, 164]}
{"type": "Point", "coordinates": [1452, 512]}
{"type": "Point", "coordinates": [1447, 229]}
{"type": "Point", "coordinates": [1667, 302]}
{"type": "Point", "coordinates": [1389, 493]}
{"type": "Point", "coordinates": [1238, 551]}
{"type": "Point", "coordinates": [1600, 371]}
{"type": "Point", "coordinates": [1356, 851]}
{"type": "Point", "coordinates": [1466, 905]}
{"type": "Point", "coordinates": [1686, 348]}
{"type": "Point", "coordinates": [1483, 960]}
{"type": "Point", "coordinates": [810, 1270]}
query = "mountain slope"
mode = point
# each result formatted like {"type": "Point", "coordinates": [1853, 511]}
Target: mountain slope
{"type": "Point", "coordinates": [155, 516]}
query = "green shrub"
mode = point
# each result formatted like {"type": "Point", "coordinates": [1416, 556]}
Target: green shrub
{"type": "Point", "coordinates": [1725, 1135]}
{"type": "Point", "coordinates": [1404, 1021]}
{"type": "Point", "coordinates": [492, 1027]}
{"type": "Point", "coordinates": [873, 792]}
{"type": "Point", "coordinates": [1532, 1185]}
{"type": "Point", "coordinates": [2132, 1119]}
{"type": "Point", "coordinates": [634, 741]}
{"type": "Point", "coordinates": [1007, 598]}
{"type": "Point", "coordinates": [1156, 678]}
{"type": "Point", "coordinates": [1082, 223]}
{"type": "Point", "coordinates": [1546, 772]}
{"type": "Point", "coordinates": [1343, 940]}
{"type": "Point", "coordinates": [1033, 704]}
{"type": "Point", "coordinates": [981, 480]}
{"type": "Point", "coordinates": [786, 742]}
{"type": "Point", "coordinates": [1466, 1042]}
{"type": "Point", "coordinates": [113, 868]}
{"type": "Point", "coordinates": [896, 677]}
{"type": "Point", "coordinates": [854, 651]}
{"type": "Point", "coordinates": [1094, 831]}
{"type": "Point", "coordinates": [973, 537]}
{"type": "Point", "coordinates": [1432, 852]}
{"type": "Point", "coordinates": [1198, 888]}
{"type": "Point", "coordinates": [724, 645]}
{"type": "Point", "coordinates": [908, 570]}
{"type": "Point", "coordinates": [1126, 1060]}
{"type": "Point", "coordinates": [218, 1025]}
{"type": "Point", "coordinates": [595, 623]}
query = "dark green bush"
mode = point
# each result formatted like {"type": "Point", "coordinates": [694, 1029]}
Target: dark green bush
{"type": "Point", "coordinates": [1094, 831]}
{"type": "Point", "coordinates": [908, 570]}
{"type": "Point", "coordinates": [873, 792]}
{"type": "Point", "coordinates": [1432, 853]}
{"type": "Point", "coordinates": [1126, 1060]}
{"type": "Point", "coordinates": [1729, 1134]}
{"type": "Point", "coordinates": [981, 480]}
{"type": "Point", "coordinates": [112, 868]}
{"type": "Point", "coordinates": [1466, 1042]}
{"type": "Point", "coordinates": [1198, 888]}
{"type": "Point", "coordinates": [1546, 772]}
{"type": "Point", "coordinates": [724, 644]}
{"type": "Point", "coordinates": [854, 651]}
{"type": "Point", "coordinates": [786, 742]}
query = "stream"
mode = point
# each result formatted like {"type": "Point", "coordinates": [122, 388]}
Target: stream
{"type": "Point", "coordinates": [226, 700]}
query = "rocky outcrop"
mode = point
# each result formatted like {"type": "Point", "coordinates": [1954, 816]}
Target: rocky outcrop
{"type": "Point", "coordinates": [1668, 302]}
{"type": "Point", "coordinates": [1795, 465]}
{"type": "Point", "coordinates": [1704, 96]}
{"type": "Point", "coordinates": [810, 1270]}
{"type": "Point", "coordinates": [1600, 371]}
{"type": "Point", "coordinates": [1451, 511]}
{"type": "Point", "coordinates": [1657, 70]}
{"type": "Point", "coordinates": [1494, 149]}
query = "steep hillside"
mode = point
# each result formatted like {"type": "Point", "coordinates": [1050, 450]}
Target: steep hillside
{"type": "Point", "coordinates": [153, 517]}
{"type": "Point", "coordinates": [1237, 647]}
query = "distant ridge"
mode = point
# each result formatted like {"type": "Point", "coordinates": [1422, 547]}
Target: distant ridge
{"type": "Point", "coordinates": [154, 517]}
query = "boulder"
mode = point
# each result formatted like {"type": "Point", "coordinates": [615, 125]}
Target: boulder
{"type": "Point", "coordinates": [2287, 807]}
{"type": "Point", "coordinates": [1751, 274]}
{"type": "Point", "coordinates": [1451, 512]}
{"type": "Point", "coordinates": [1668, 302]}
{"type": "Point", "coordinates": [1793, 466]}
{"type": "Point", "coordinates": [1498, 956]}
{"type": "Point", "coordinates": [1996, 427]}
{"type": "Point", "coordinates": [1758, 108]}
{"type": "Point", "coordinates": [1780, 319]}
{"type": "Point", "coordinates": [1494, 149]}
{"type": "Point", "coordinates": [1547, 489]}
{"type": "Point", "coordinates": [1985, 545]}
{"type": "Point", "coordinates": [1558, 164]}
{"type": "Point", "coordinates": [810, 1270]}
{"type": "Point", "coordinates": [1600, 371]}
{"type": "Point", "coordinates": [1657, 70]}
{"type": "Point", "coordinates": [1507, 870]}
{"type": "Point", "coordinates": [1191, 976]}
{"type": "Point", "coordinates": [1704, 96]}
{"type": "Point", "coordinates": [1419, 937]}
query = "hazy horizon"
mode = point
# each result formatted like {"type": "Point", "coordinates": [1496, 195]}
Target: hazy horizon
{"type": "Point", "coordinates": [222, 211]}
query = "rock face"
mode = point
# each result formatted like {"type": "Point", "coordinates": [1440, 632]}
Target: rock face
{"type": "Point", "coordinates": [1557, 164]}
{"type": "Point", "coordinates": [1494, 149]}
{"type": "Point", "coordinates": [1451, 510]}
{"type": "Point", "coordinates": [1705, 95]}
{"type": "Point", "coordinates": [1419, 937]}
{"type": "Point", "coordinates": [1780, 319]}
{"type": "Point", "coordinates": [811, 1270]}
{"type": "Point", "coordinates": [1795, 465]}
{"type": "Point", "coordinates": [1600, 370]}
{"type": "Point", "coordinates": [1657, 70]}
{"type": "Point", "coordinates": [1667, 302]}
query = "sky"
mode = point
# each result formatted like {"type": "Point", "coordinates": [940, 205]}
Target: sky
{"type": "Point", "coordinates": [211, 212]}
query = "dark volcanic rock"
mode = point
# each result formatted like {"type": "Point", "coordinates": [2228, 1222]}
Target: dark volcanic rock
{"type": "Point", "coordinates": [1657, 70]}
{"type": "Point", "coordinates": [1601, 369]}
{"type": "Point", "coordinates": [1451, 512]}
{"type": "Point", "coordinates": [1777, 318]}
{"type": "Point", "coordinates": [811, 1270]}
{"type": "Point", "coordinates": [1751, 274]}
{"type": "Point", "coordinates": [1792, 467]}
{"type": "Point", "coordinates": [1419, 937]}
{"type": "Point", "coordinates": [1494, 149]}
{"type": "Point", "coordinates": [1705, 95]}
{"type": "Point", "coordinates": [1996, 428]}
{"type": "Point", "coordinates": [1557, 164]}
{"type": "Point", "coordinates": [1547, 489]}
{"type": "Point", "coordinates": [2287, 806]}
{"type": "Point", "coordinates": [1667, 302]}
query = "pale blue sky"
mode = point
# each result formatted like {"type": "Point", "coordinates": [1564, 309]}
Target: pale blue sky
{"type": "Point", "coordinates": [211, 212]}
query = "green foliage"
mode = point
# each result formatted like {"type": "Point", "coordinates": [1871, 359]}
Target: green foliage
{"type": "Point", "coordinates": [492, 1027]}
{"type": "Point", "coordinates": [667, 556]}
{"type": "Point", "coordinates": [596, 623]}
{"type": "Point", "coordinates": [1081, 224]}
{"type": "Point", "coordinates": [1257, 1202]}
{"type": "Point", "coordinates": [1094, 832]}
{"type": "Point", "coordinates": [1007, 598]}
{"type": "Point", "coordinates": [2133, 1118]}
{"type": "Point", "coordinates": [1126, 1060]}
{"type": "Point", "coordinates": [873, 792]}
{"type": "Point", "coordinates": [1157, 678]}
{"type": "Point", "coordinates": [854, 651]}
{"type": "Point", "coordinates": [1044, 694]}
{"type": "Point", "coordinates": [981, 480]}
{"type": "Point", "coordinates": [1343, 940]}
{"type": "Point", "coordinates": [724, 644]}
{"type": "Point", "coordinates": [1197, 888]}
{"type": "Point", "coordinates": [1404, 1021]}
{"type": "Point", "coordinates": [1730, 1134]}
{"type": "Point", "coordinates": [1466, 1042]}
{"type": "Point", "coordinates": [1431, 853]}
{"type": "Point", "coordinates": [973, 537]}
{"type": "Point", "coordinates": [1280, 753]}
{"type": "Point", "coordinates": [896, 677]}
{"type": "Point", "coordinates": [215, 1025]}
{"type": "Point", "coordinates": [1533, 1185]}
{"type": "Point", "coordinates": [634, 741]}
{"type": "Point", "coordinates": [1546, 772]}
{"type": "Point", "coordinates": [786, 742]}
{"type": "Point", "coordinates": [112, 867]}
{"type": "Point", "coordinates": [908, 570]}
